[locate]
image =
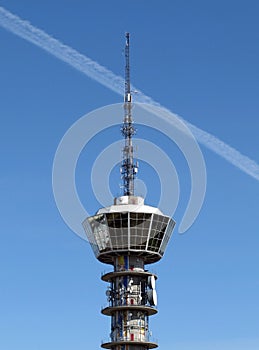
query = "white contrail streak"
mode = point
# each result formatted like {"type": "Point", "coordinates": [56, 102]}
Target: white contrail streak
{"type": "Point", "coordinates": [107, 78]}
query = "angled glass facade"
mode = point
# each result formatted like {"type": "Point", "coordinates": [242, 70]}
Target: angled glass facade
{"type": "Point", "coordinates": [129, 231]}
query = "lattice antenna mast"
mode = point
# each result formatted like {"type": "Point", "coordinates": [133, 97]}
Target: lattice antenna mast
{"type": "Point", "coordinates": [128, 167]}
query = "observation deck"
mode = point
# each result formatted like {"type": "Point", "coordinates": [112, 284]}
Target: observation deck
{"type": "Point", "coordinates": [129, 227]}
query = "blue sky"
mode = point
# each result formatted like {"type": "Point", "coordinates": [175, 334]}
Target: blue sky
{"type": "Point", "coordinates": [199, 59]}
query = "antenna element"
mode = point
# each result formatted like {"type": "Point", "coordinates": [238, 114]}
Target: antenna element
{"type": "Point", "coordinates": [128, 168]}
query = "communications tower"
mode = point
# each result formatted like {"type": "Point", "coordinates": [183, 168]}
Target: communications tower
{"type": "Point", "coordinates": [129, 235]}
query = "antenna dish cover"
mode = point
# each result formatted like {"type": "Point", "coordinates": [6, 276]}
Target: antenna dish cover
{"type": "Point", "coordinates": [152, 282]}
{"type": "Point", "coordinates": [152, 297]}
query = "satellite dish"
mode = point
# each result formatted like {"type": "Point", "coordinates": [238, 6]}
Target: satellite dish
{"type": "Point", "coordinates": [151, 282]}
{"type": "Point", "coordinates": [152, 297]}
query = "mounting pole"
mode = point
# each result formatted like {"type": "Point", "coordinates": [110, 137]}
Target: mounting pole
{"type": "Point", "coordinates": [128, 168]}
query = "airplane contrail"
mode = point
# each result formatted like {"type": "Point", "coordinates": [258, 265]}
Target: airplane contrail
{"type": "Point", "coordinates": [104, 76]}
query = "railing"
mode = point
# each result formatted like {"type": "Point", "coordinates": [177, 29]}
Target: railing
{"type": "Point", "coordinates": [147, 338]}
{"type": "Point", "coordinates": [152, 271]}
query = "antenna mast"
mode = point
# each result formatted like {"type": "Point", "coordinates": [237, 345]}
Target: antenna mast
{"type": "Point", "coordinates": [128, 168]}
